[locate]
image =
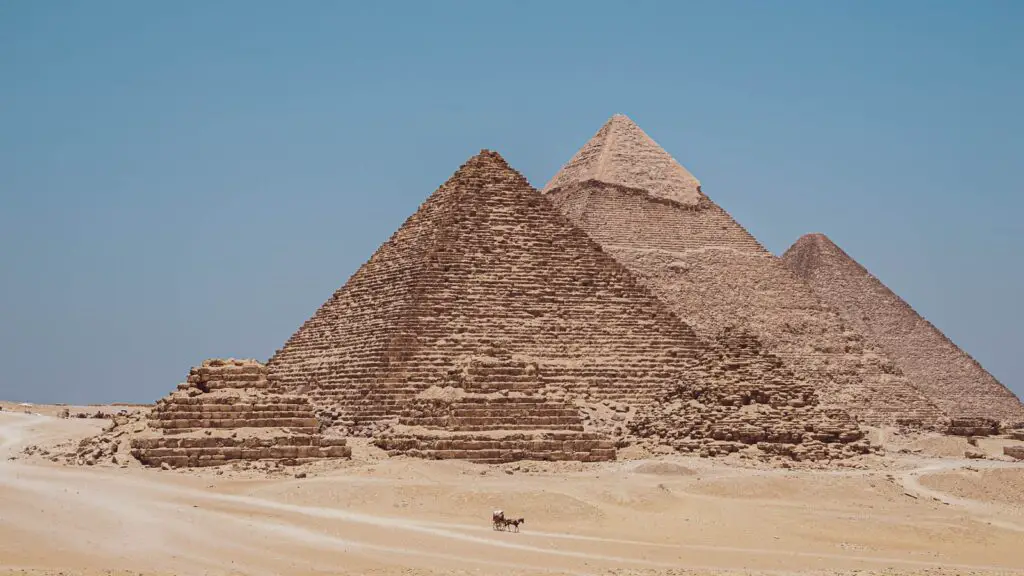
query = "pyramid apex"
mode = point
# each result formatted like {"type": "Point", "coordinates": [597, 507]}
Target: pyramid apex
{"type": "Point", "coordinates": [486, 158]}
{"type": "Point", "coordinates": [487, 155]}
{"type": "Point", "coordinates": [814, 237]}
{"type": "Point", "coordinates": [622, 154]}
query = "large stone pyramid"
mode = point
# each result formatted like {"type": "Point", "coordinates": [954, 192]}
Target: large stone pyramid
{"type": "Point", "coordinates": [954, 380]}
{"type": "Point", "coordinates": [648, 212]}
{"type": "Point", "coordinates": [490, 328]}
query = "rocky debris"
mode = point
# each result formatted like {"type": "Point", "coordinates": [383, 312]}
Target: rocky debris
{"type": "Point", "coordinates": [99, 414]}
{"type": "Point", "coordinates": [110, 446]}
{"type": "Point", "coordinates": [34, 450]}
{"type": "Point", "coordinates": [1014, 452]}
{"type": "Point", "coordinates": [974, 454]}
{"type": "Point", "coordinates": [1016, 434]}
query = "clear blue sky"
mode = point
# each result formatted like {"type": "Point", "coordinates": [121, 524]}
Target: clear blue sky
{"type": "Point", "coordinates": [183, 180]}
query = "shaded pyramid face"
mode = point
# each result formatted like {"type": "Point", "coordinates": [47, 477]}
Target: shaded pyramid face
{"type": "Point", "coordinates": [950, 377]}
{"type": "Point", "coordinates": [488, 321]}
{"type": "Point", "coordinates": [715, 276]}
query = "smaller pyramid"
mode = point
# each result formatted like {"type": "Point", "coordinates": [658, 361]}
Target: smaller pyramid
{"type": "Point", "coordinates": [624, 155]}
{"type": "Point", "coordinates": [947, 375]}
{"type": "Point", "coordinates": [651, 215]}
{"type": "Point", "coordinates": [228, 412]}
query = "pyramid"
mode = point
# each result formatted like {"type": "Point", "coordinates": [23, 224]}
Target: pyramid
{"type": "Point", "coordinates": [227, 412]}
{"type": "Point", "coordinates": [622, 154]}
{"type": "Point", "coordinates": [951, 378]}
{"type": "Point", "coordinates": [489, 328]}
{"type": "Point", "coordinates": [652, 216]}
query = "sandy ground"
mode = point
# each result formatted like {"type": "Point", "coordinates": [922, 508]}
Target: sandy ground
{"type": "Point", "coordinates": [916, 512]}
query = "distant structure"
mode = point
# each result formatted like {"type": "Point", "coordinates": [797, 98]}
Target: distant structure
{"type": "Point", "coordinates": [651, 215]}
{"type": "Point", "coordinates": [946, 374]}
{"type": "Point", "coordinates": [489, 328]}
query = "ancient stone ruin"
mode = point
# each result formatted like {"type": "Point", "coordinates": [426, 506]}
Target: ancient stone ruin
{"type": "Point", "coordinates": [751, 399]}
{"type": "Point", "coordinates": [488, 324]}
{"type": "Point", "coordinates": [227, 412]}
{"type": "Point", "coordinates": [650, 214]}
{"type": "Point", "coordinates": [951, 378]}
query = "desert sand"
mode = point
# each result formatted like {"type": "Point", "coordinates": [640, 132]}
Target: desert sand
{"type": "Point", "coordinates": [920, 508]}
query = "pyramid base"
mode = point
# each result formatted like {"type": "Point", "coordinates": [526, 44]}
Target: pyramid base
{"type": "Point", "coordinates": [498, 447]}
{"type": "Point", "coordinates": [199, 450]}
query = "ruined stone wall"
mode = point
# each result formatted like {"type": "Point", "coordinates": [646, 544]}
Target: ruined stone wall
{"type": "Point", "coordinates": [715, 275]}
{"type": "Point", "coordinates": [950, 377]}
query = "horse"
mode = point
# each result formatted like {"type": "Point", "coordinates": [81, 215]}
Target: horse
{"type": "Point", "coordinates": [515, 523]}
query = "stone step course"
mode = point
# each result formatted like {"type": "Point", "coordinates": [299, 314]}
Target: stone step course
{"type": "Point", "coordinates": [228, 411]}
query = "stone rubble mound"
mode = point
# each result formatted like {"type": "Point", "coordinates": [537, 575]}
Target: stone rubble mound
{"type": "Point", "coordinates": [113, 446]}
{"type": "Point", "coordinates": [651, 215]}
{"type": "Point", "coordinates": [226, 412]}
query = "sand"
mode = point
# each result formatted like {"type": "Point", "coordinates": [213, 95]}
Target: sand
{"type": "Point", "coordinates": [906, 512]}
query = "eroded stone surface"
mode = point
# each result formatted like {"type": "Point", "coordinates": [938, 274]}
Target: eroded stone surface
{"type": "Point", "coordinates": [714, 275]}
{"type": "Point", "coordinates": [955, 381]}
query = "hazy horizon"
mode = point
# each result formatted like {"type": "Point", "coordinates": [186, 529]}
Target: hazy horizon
{"type": "Point", "coordinates": [189, 181]}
